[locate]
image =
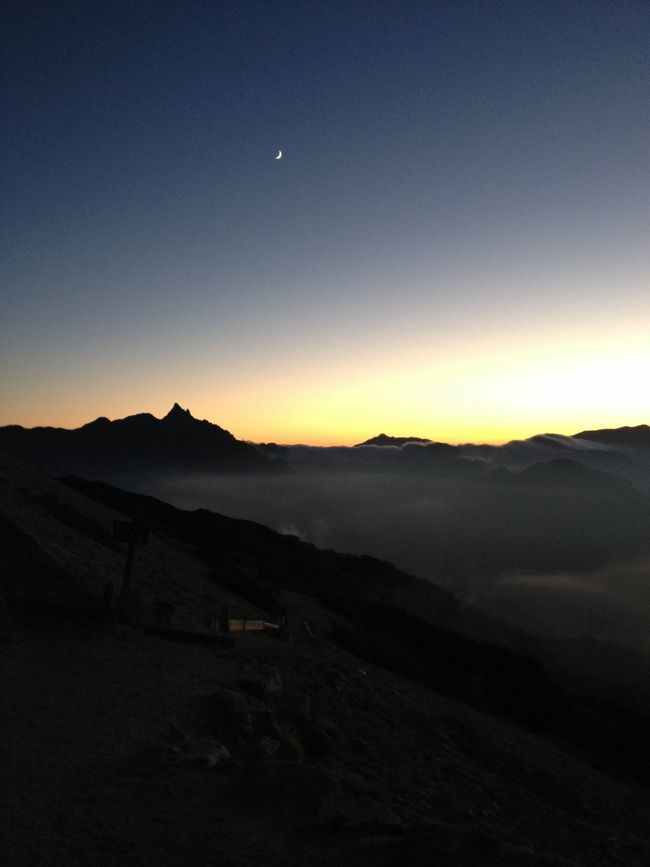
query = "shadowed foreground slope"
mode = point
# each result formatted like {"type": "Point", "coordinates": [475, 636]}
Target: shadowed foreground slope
{"type": "Point", "coordinates": [119, 747]}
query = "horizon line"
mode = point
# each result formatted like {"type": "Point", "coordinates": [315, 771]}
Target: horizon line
{"type": "Point", "coordinates": [346, 441]}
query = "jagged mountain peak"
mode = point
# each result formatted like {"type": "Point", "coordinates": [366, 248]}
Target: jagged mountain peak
{"type": "Point", "coordinates": [137, 446]}
{"type": "Point", "coordinates": [177, 412]}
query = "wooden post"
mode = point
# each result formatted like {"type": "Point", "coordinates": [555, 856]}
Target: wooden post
{"type": "Point", "coordinates": [133, 533]}
{"type": "Point", "coordinates": [130, 556]}
{"type": "Point", "coordinates": [109, 596]}
{"type": "Point", "coordinates": [285, 632]}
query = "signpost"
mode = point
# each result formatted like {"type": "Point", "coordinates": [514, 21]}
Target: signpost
{"type": "Point", "coordinates": [130, 531]}
{"type": "Point", "coordinates": [134, 532]}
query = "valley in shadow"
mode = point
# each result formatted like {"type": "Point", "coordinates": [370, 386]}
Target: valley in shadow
{"type": "Point", "coordinates": [557, 547]}
{"type": "Point", "coordinates": [551, 533]}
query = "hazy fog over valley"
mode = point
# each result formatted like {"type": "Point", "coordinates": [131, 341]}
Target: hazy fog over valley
{"type": "Point", "coordinates": [549, 533]}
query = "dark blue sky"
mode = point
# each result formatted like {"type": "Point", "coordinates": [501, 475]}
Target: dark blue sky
{"type": "Point", "coordinates": [464, 187]}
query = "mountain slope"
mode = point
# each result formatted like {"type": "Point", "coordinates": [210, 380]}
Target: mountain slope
{"type": "Point", "coordinates": [112, 742]}
{"type": "Point", "coordinates": [638, 436]}
{"type": "Point", "coordinates": [133, 449]}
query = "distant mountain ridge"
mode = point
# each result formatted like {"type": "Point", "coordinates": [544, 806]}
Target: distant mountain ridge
{"type": "Point", "coordinates": [622, 452]}
{"type": "Point", "coordinates": [138, 446]}
{"type": "Point", "coordinates": [638, 436]}
{"type": "Point", "coordinates": [384, 440]}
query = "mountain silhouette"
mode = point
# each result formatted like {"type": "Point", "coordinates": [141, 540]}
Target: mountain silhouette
{"type": "Point", "coordinates": [384, 440]}
{"type": "Point", "coordinates": [140, 449]}
{"type": "Point", "coordinates": [134, 448]}
{"type": "Point", "coordinates": [638, 436]}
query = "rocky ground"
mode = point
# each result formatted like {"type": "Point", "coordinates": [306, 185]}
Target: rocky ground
{"type": "Point", "coordinates": [123, 748]}
{"type": "Point", "coordinates": [118, 747]}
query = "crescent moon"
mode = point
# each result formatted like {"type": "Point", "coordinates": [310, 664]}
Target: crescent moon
{"type": "Point", "coordinates": [279, 156]}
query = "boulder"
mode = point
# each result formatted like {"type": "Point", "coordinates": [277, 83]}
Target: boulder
{"type": "Point", "coordinates": [5, 621]}
{"type": "Point", "coordinates": [264, 722]}
{"type": "Point", "coordinates": [347, 811]}
{"type": "Point", "coordinates": [361, 746]}
{"type": "Point", "coordinates": [205, 753]}
{"type": "Point", "coordinates": [232, 714]}
{"type": "Point", "coordinates": [326, 724]}
{"type": "Point", "coordinates": [264, 682]}
{"type": "Point", "coordinates": [268, 746]}
{"type": "Point", "coordinates": [315, 740]}
{"type": "Point", "coordinates": [282, 783]}
{"type": "Point", "coordinates": [176, 736]}
{"type": "Point", "coordinates": [295, 706]}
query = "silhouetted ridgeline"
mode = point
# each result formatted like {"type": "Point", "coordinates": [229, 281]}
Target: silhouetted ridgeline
{"type": "Point", "coordinates": [383, 439]}
{"type": "Point", "coordinates": [638, 436]}
{"type": "Point", "coordinates": [134, 449]}
{"type": "Point", "coordinates": [376, 598]}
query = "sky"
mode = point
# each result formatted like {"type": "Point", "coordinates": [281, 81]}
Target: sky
{"type": "Point", "coordinates": [455, 243]}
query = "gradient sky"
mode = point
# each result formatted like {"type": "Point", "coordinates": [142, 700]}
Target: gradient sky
{"type": "Point", "coordinates": [456, 243]}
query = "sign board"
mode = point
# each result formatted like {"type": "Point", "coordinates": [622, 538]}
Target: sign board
{"type": "Point", "coordinates": [245, 625]}
{"type": "Point", "coordinates": [131, 531]}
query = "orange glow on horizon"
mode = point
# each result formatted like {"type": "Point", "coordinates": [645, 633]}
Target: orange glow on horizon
{"type": "Point", "coordinates": [490, 388]}
{"type": "Point", "coordinates": [334, 432]}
